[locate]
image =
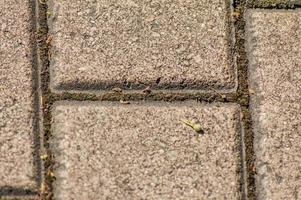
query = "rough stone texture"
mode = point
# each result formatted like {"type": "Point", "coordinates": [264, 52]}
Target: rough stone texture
{"type": "Point", "coordinates": [142, 151]}
{"type": "Point", "coordinates": [274, 46]}
{"type": "Point", "coordinates": [16, 102]}
{"type": "Point", "coordinates": [137, 43]}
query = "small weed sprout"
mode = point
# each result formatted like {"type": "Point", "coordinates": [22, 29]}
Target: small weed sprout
{"type": "Point", "coordinates": [196, 126]}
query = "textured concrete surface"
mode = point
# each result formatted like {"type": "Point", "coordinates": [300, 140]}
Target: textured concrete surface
{"type": "Point", "coordinates": [16, 109]}
{"type": "Point", "coordinates": [274, 47]}
{"type": "Point", "coordinates": [142, 151]}
{"type": "Point", "coordinates": [137, 43]}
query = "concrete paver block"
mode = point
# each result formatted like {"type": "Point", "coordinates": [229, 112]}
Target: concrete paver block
{"type": "Point", "coordinates": [16, 102]}
{"type": "Point", "coordinates": [109, 150]}
{"type": "Point", "coordinates": [274, 52]}
{"type": "Point", "coordinates": [137, 43]}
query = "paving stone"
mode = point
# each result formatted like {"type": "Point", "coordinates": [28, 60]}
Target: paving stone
{"type": "Point", "coordinates": [274, 51]}
{"type": "Point", "coordinates": [109, 150]}
{"type": "Point", "coordinates": [16, 102]}
{"type": "Point", "coordinates": [137, 43]}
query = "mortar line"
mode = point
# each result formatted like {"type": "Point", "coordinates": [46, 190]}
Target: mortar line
{"type": "Point", "coordinates": [240, 6]}
{"type": "Point", "coordinates": [276, 7]}
{"type": "Point", "coordinates": [37, 95]}
{"type": "Point", "coordinates": [255, 4]}
{"type": "Point", "coordinates": [17, 193]}
{"type": "Point", "coordinates": [42, 54]}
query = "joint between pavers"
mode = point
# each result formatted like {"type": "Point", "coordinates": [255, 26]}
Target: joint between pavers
{"type": "Point", "coordinates": [243, 100]}
{"type": "Point", "coordinates": [37, 104]}
{"type": "Point", "coordinates": [17, 193]}
{"type": "Point", "coordinates": [119, 96]}
{"type": "Point", "coordinates": [43, 63]}
{"type": "Point", "coordinates": [273, 4]}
